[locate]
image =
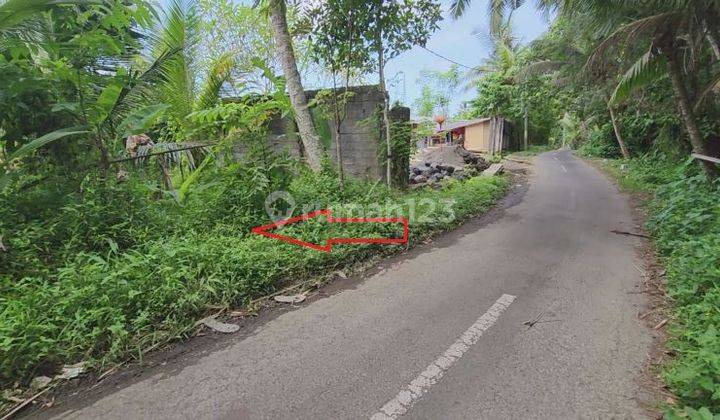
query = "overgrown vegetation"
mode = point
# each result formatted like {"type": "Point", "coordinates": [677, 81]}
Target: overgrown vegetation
{"type": "Point", "coordinates": [683, 220]}
{"type": "Point", "coordinates": [135, 162]}
{"type": "Point", "coordinates": [125, 209]}
{"type": "Point", "coordinates": [112, 271]}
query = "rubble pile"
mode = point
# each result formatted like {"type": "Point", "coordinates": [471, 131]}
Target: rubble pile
{"type": "Point", "coordinates": [434, 164]}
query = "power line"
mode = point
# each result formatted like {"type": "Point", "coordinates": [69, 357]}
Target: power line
{"type": "Point", "coordinates": [448, 59]}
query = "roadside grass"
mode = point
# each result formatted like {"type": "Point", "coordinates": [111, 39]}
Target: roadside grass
{"type": "Point", "coordinates": [124, 295]}
{"type": "Point", "coordinates": [684, 221]}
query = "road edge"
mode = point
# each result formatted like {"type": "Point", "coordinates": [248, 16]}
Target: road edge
{"type": "Point", "coordinates": [659, 306]}
{"type": "Point", "coordinates": [84, 391]}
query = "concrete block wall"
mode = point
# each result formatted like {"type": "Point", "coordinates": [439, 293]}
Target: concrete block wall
{"type": "Point", "coordinates": [359, 134]}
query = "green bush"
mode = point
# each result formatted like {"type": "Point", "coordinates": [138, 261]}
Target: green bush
{"type": "Point", "coordinates": [45, 225]}
{"type": "Point", "coordinates": [685, 223]}
{"type": "Point", "coordinates": [601, 143]}
{"type": "Point", "coordinates": [101, 302]}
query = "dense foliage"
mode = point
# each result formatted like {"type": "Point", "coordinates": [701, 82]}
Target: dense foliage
{"type": "Point", "coordinates": [684, 222]}
{"type": "Point", "coordinates": [109, 247]}
{"type": "Point", "coordinates": [112, 270]}
{"type": "Point", "coordinates": [129, 187]}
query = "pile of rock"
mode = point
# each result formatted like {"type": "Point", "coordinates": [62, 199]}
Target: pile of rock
{"type": "Point", "coordinates": [477, 162]}
{"type": "Point", "coordinates": [433, 172]}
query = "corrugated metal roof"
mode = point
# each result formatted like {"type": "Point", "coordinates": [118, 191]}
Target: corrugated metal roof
{"type": "Point", "coordinates": [462, 123]}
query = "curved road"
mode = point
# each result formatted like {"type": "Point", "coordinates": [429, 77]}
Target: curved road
{"type": "Point", "coordinates": [440, 332]}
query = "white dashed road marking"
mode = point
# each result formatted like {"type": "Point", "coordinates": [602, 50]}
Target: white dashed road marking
{"type": "Point", "coordinates": [432, 374]}
{"type": "Point", "coordinates": [563, 167]}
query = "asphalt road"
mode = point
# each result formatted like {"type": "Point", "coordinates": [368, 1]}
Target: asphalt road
{"type": "Point", "coordinates": [441, 334]}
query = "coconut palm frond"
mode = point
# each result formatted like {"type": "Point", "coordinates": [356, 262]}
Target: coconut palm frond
{"type": "Point", "coordinates": [537, 68]}
{"type": "Point", "coordinates": [178, 30]}
{"type": "Point", "coordinates": [14, 12]}
{"type": "Point", "coordinates": [140, 90]}
{"type": "Point", "coordinates": [172, 153]}
{"type": "Point", "coordinates": [712, 87]}
{"type": "Point", "coordinates": [458, 7]}
{"type": "Point", "coordinates": [500, 13]}
{"type": "Point", "coordinates": [629, 34]}
{"type": "Point", "coordinates": [218, 74]}
{"type": "Point", "coordinates": [648, 68]}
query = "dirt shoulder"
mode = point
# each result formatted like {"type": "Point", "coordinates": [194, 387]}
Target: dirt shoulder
{"type": "Point", "coordinates": [658, 310]}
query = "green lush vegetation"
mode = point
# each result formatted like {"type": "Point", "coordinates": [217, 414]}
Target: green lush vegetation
{"type": "Point", "coordinates": [685, 224]}
{"type": "Point", "coordinates": [125, 209]}
{"type": "Point", "coordinates": [113, 270]}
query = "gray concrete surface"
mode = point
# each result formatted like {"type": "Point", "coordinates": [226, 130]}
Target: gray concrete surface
{"type": "Point", "coordinates": [346, 355]}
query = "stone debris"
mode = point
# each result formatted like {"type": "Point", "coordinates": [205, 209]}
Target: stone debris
{"type": "Point", "coordinates": [39, 383]}
{"type": "Point", "coordinates": [218, 326]}
{"type": "Point", "coordinates": [494, 169]}
{"type": "Point", "coordinates": [290, 298]}
{"type": "Point", "coordinates": [71, 371]}
{"type": "Point", "coordinates": [432, 165]}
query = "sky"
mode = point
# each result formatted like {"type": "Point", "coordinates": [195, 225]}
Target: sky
{"type": "Point", "coordinates": [455, 40]}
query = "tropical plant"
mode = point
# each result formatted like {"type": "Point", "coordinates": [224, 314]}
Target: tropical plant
{"type": "Point", "coordinates": [75, 58]}
{"type": "Point", "coordinates": [311, 142]}
{"type": "Point", "coordinates": [667, 29]}
{"type": "Point", "coordinates": [178, 31]}
{"type": "Point", "coordinates": [394, 28]}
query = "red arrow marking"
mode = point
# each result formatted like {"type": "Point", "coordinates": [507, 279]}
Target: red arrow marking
{"type": "Point", "coordinates": [264, 230]}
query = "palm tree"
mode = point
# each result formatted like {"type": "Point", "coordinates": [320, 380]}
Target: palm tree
{"type": "Point", "coordinates": [178, 32]}
{"type": "Point", "coordinates": [104, 87]}
{"type": "Point", "coordinates": [670, 28]}
{"type": "Point", "coordinates": [574, 56]}
{"type": "Point", "coordinates": [308, 135]}
{"type": "Point", "coordinates": [499, 11]}
{"type": "Point", "coordinates": [503, 58]}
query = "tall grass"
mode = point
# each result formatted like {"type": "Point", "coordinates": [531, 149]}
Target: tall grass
{"type": "Point", "coordinates": [111, 270]}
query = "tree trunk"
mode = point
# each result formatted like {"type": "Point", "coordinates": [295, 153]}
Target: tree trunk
{"type": "Point", "coordinates": [714, 45]}
{"type": "Point", "coordinates": [385, 105]}
{"type": "Point", "coordinates": [338, 153]}
{"type": "Point", "coordinates": [525, 130]}
{"type": "Point", "coordinates": [310, 140]}
{"type": "Point", "coordinates": [104, 155]}
{"type": "Point", "coordinates": [711, 34]}
{"type": "Point", "coordinates": [618, 136]}
{"type": "Point", "coordinates": [386, 122]}
{"type": "Point", "coordinates": [338, 122]}
{"type": "Point", "coordinates": [686, 111]}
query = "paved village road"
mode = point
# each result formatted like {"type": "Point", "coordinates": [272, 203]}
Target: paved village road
{"type": "Point", "coordinates": [439, 334]}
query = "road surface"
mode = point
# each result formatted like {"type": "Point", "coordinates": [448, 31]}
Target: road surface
{"type": "Point", "coordinates": [440, 333]}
